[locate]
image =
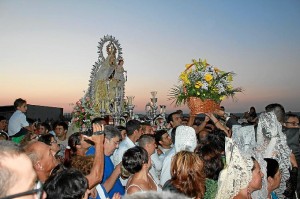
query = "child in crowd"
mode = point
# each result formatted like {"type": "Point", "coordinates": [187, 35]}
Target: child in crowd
{"type": "Point", "coordinates": [18, 125]}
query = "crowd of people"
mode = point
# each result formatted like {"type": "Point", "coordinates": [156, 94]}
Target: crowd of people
{"type": "Point", "coordinates": [220, 156]}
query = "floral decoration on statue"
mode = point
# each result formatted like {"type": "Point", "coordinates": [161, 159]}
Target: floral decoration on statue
{"type": "Point", "coordinates": [203, 81]}
{"type": "Point", "coordinates": [82, 113]}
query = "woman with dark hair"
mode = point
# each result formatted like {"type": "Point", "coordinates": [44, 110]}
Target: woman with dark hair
{"type": "Point", "coordinates": [213, 165]}
{"type": "Point", "coordinates": [137, 162]}
{"type": "Point", "coordinates": [187, 174]}
{"type": "Point", "coordinates": [51, 141]}
{"type": "Point", "coordinates": [253, 119]}
{"type": "Point", "coordinates": [273, 177]}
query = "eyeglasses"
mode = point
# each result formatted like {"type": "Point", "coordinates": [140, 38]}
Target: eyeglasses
{"type": "Point", "coordinates": [38, 190]}
{"type": "Point", "coordinates": [293, 123]}
{"type": "Point", "coordinates": [55, 141]}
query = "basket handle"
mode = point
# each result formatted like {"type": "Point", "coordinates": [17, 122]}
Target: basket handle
{"type": "Point", "coordinates": [189, 67]}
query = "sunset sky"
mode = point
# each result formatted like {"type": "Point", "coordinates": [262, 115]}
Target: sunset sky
{"type": "Point", "coordinates": [48, 48]}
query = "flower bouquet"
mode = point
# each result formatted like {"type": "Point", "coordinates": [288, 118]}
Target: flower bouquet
{"type": "Point", "coordinates": [82, 113]}
{"type": "Point", "coordinates": [203, 87]}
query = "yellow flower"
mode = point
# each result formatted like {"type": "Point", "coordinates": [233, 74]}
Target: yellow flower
{"type": "Point", "coordinates": [229, 77]}
{"type": "Point", "coordinates": [229, 87]}
{"type": "Point", "coordinates": [198, 84]}
{"type": "Point", "coordinates": [208, 77]}
{"type": "Point", "coordinates": [184, 77]}
{"type": "Point", "coordinates": [222, 97]}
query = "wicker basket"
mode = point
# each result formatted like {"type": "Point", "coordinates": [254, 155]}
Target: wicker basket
{"type": "Point", "coordinates": [197, 105]}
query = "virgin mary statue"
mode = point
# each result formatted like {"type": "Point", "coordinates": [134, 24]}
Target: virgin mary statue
{"type": "Point", "coordinates": [108, 81]}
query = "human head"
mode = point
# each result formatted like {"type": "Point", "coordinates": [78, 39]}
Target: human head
{"type": "Point", "coordinates": [44, 128]}
{"type": "Point", "coordinates": [134, 129]}
{"type": "Point", "coordinates": [42, 158]}
{"type": "Point", "coordinates": [50, 140]}
{"type": "Point", "coordinates": [123, 131]}
{"type": "Point", "coordinates": [213, 164]}
{"type": "Point", "coordinates": [68, 183]}
{"type": "Point", "coordinates": [112, 139]}
{"type": "Point", "coordinates": [187, 174]}
{"type": "Point", "coordinates": [252, 109]}
{"type": "Point", "coordinates": [134, 159]}
{"type": "Point", "coordinates": [3, 123]}
{"type": "Point", "coordinates": [257, 175]}
{"type": "Point", "coordinates": [163, 139]}
{"type": "Point", "coordinates": [31, 123]}
{"type": "Point", "coordinates": [278, 110]}
{"type": "Point", "coordinates": [61, 129]}
{"type": "Point", "coordinates": [273, 174]}
{"type": "Point", "coordinates": [99, 120]}
{"type": "Point", "coordinates": [147, 128]}
{"type": "Point", "coordinates": [73, 141]}
{"type": "Point", "coordinates": [174, 119]}
{"type": "Point", "coordinates": [148, 143]}
{"type": "Point", "coordinates": [21, 105]}
{"type": "Point", "coordinates": [291, 121]}
{"type": "Point", "coordinates": [16, 171]}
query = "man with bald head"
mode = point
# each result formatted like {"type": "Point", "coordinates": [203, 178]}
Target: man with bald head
{"type": "Point", "coordinates": [42, 158]}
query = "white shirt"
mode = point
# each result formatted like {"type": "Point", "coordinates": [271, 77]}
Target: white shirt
{"type": "Point", "coordinates": [155, 167]}
{"type": "Point", "coordinates": [123, 146]}
{"type": "Point", "coordinates": [166, 168]}
{"type": "Point", "coordinates": [16, 122]}
{"type": "Point", "coordinates": [118, 154]}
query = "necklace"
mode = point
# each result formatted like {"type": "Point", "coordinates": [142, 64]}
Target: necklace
{"type": "Point", "coordinates": [248, 193]}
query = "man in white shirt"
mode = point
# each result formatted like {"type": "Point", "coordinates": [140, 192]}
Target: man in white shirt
{"type": "Point", "coordinates": [134, 131]}
{"type": "Point", "coordinates": [148, 143]}
{"type": "Point", "coordinates": [164, 142]}
{"type": "Point", "coordinates": [185, 139]}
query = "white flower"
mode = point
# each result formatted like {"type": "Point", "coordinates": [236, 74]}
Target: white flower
{"type": "Point", "coordinates": [205, 86]}
{"type": "Point", "coordinates": [220, 88]}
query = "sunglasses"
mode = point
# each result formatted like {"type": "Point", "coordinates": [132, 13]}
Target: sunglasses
{"type": "Point", "coordinates": [38, 190]}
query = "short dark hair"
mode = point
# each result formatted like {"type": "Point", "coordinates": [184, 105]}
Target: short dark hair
{"type": "Point", "coordinates": [63, 124]}
{"type": "Point", "coordinates": [74, 140]}
{"type": "Point", "coordinates": [98, 120]}
{"type": "Point", "coordinates": [132, 125]}
{"type": "Point", "coordinates": [46, 138]}
{"type": "Point", "coordinates": [158, 135]}
{"type": "Point", "coordinates": [68, 183]}
{"type": "Point", "coordinates": [288, 115]}
{"type": "Point", "coordinates": [121, 128]}
{"type": "Point", "coordinates": [134, 158]}
{"type": "Point", "coordinates": [278, 110]}
{"type": "Point", "coordinates": [170, 116]}
{"type": "Point", "coordinates": [19, 102]}
{"type": "Point", "coordinates": [46, 125]}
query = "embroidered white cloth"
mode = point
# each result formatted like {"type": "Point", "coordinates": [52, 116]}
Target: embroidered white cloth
{"type": "Point", "coordinates": [271, 143]}
{"type": "Point", "coordinates": [237, 173]}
